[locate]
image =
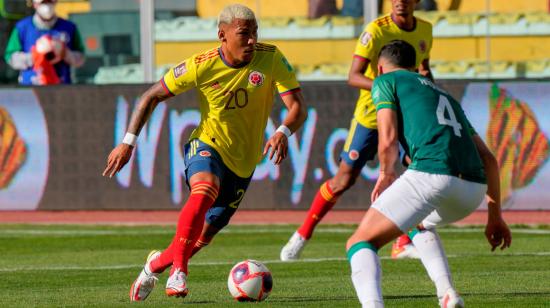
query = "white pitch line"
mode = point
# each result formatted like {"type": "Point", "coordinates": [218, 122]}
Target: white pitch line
{"type": "Point", "coordinates": [231, 263]}
{"type": "Point", "coordinates": [71, 233]}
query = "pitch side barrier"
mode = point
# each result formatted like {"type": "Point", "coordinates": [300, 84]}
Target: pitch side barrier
{"type": "Point", "coordinates": [55, 141]}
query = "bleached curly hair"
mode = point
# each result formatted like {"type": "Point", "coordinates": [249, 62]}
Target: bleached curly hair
{"type": "Point", "coordinates": [235, 11]}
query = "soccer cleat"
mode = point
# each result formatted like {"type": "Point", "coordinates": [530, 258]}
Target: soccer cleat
{"type": "Point", "coordinates": [452, 300]}
{"type": "Point", "coordinates": [403, 248]}
{"type": "Point", "coordinates": [144, 284]}
{"type": "Point", "coordinates": [291, 251]}
{"type": "Point", "coordinates": [177, 284]}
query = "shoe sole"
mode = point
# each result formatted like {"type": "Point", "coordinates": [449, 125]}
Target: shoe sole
{"type": "Point", "coordinates": [289, 259]}
{"type": "Point", "coordinates": [404, 254]}
{"type": "Point", "coordinates": [175, 293]}
{"type": "Point", "coordinates": [134, 293]}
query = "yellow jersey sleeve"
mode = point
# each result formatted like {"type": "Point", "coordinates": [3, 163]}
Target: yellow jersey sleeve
{"type": "Point", "coordinates": [425, 36]}
{"type": "Point", "coordinates": [368, 43]}
{"type": "Point", "coordinates": [284, 75]}
{"type": "Point", "coordinates": [181, 77]}
{"type": "Point", "coordinates": [430, 42]}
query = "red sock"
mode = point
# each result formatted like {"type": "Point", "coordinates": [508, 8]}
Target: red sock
{"type": "Point", "coordinates": [164, 261]}
{"type": "Point", "coordinates": [322, 203]}
{"type": "Point", "coordinates": [191, 221]}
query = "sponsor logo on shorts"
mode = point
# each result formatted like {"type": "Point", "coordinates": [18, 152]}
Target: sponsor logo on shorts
{"type": "Point", "coordinates": [256, 78]}
{"type": "Point", "coordinates": [353, 155]}
{"type": "Point", "coordinates": [205, 153]}
{"type": "Point", "coordinates": [422, 46]}
{"type": "Point", "coordinates": [365, 38]}
{"type": "Point", "coordinates": [180, 70]}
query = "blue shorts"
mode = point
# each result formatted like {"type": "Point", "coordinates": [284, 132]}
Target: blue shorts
{"type": "Point", "coordinates": [200, 157]}
{"type": "Point", "coordinates": [361, 145]}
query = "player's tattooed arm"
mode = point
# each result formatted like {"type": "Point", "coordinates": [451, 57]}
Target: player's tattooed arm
{"type": "Point", "coordinates": [388, 150]}
{"type": "Point", "coordinates": [496, 230]}
{"type": "Point", "coordinates": [424, 69]}
{"type": "Point", "coordinates": [356, 75]}
{"type": "Point", "coordinates": [147, 103]}
{"type": "Point", "coordinates": [121, 154]}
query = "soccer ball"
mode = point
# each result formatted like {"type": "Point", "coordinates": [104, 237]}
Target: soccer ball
{"type": "Point", "coordinates": [249, 281]}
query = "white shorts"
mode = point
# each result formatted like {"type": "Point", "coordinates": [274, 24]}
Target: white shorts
{"type": "Point", "coordinates": [431, 199]}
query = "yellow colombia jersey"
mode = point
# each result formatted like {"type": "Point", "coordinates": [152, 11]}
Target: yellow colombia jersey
{"type": "Point", "coordinates": [234, 102]}
{"type": "Point", "coordinates": [377, 34]}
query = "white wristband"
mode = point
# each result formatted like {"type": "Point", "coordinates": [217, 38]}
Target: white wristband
{"type": "Point", "coordinates": [285, 130]}
{"type": "Point", "coordinates": [130, 139]}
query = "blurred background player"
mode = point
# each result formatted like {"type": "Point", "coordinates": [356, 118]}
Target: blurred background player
{"type": "Point", "coordinates": [361, 144]}
{"type": "Point", "coordinates": [236, 83]}
{"type": "Point", "coordinates": [43, 47]}
{"type": "Point", "coordinates": [445, 181]}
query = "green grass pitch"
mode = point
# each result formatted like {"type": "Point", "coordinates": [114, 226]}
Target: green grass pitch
{"type": "Point", "coordinates": [70, 266]}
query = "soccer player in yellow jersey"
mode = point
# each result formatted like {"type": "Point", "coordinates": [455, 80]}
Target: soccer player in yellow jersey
{"type": "Point", "coordinates": [362, 141]}
{"type": "Point", "coordinates": [235, 83]}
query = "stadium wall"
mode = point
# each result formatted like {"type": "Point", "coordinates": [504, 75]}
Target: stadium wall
{"type": "Point", "coordinates": [55, 141]}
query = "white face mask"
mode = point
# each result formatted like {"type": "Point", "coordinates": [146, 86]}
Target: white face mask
{"type": "Point", "coordinates": [46, 10]}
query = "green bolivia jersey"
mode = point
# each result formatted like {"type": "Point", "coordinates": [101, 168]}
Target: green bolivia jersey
{"type": "Point", "coordinates": [432, 126]}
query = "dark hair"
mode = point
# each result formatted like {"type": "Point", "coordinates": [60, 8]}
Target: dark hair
{"type": "Point", "coordinates": [399, 53]}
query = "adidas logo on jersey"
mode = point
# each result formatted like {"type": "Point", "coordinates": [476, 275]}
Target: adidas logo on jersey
{"type": "Point", "coordinates": [215, 85]}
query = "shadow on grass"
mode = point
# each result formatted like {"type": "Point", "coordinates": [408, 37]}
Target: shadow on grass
{"type": "Point", "coordinates": [275, 300]}
{"type": "Point", "coordinates": [306, 299]}
{"type": "Point", "coordinates": [513, 293]}
{"type": "Point", "coordinates": [419, 296]}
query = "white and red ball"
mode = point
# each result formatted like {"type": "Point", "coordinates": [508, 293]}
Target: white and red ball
{"type": "Point", "coordinates": [51, 47]}
{"type": "Point", "coordinates": [250, 280]}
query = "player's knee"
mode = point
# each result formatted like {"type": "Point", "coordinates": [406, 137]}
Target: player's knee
{"type": "Point", "coordinates": [351, 241]}
{"type": "Point", "coordinates": [354, 239]}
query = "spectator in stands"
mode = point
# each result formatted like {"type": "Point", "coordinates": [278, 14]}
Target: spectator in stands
{"type": "Point", "coordinates": [354, 8]}
{"type": "Point", "coordinates": [318, 8]}
{"type": "Point", "coordinates": [43, 47]}
{"type": "Point", "coordinates": [427, 5]}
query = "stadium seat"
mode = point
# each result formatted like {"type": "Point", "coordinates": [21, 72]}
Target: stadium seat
{"type": "Point", "coordinates": [125, 74]}
{"type": "Point", "coordinates": [495, 69]}
{"type": "Point", "coordinates": [186, 29]}
{"type": "Point", "coordinates": [453, 24]}
{"type": "Point", "coordinates": [537, 68]}
{"type": "Point", "coordinates": [507, 24]}
{"type": "Point", "coordinates": [538, 23]}
{"type": "Point", "coordinates": [339, 69]}
{"type": "Point", "coordinates": [452, 69]}
{"type": "Point", "coordinates": [345, 27]}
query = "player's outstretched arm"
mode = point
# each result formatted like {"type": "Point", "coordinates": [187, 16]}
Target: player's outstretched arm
{"type": "Point", "coordinates": [278, 143]}
{"type": "Point", "coordinates": [388, 150]}
{"type": "Point", "coordinates": [496, 230]}
{"type": "Point", "coordinates": [356, 75]}
{"type": "Point", "coordinates": [121, 154]}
